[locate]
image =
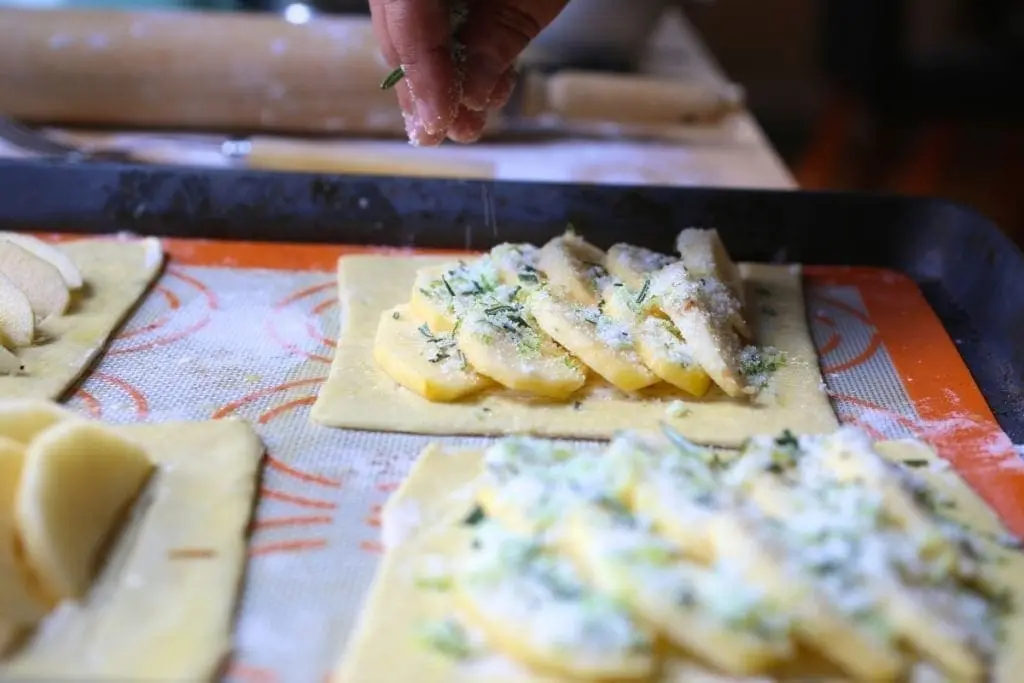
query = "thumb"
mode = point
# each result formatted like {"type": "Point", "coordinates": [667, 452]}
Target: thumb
{"type": "Point", "coordinates": [494, 35]}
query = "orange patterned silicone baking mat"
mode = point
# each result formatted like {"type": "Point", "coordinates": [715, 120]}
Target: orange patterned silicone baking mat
{"type": "Point", "coordinates": [248, 329]}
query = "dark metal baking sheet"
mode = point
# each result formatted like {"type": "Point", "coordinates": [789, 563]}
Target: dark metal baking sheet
{"type": "Point", "coordinates": [970, 272]}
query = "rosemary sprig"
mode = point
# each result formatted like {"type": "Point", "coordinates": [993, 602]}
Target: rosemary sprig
{"type": "Point", "coordinates": [643, 292]}
{"type": "Point", "coordinates": [392, 79]}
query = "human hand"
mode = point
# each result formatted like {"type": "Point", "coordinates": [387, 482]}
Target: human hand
{"type": "Point", "coordinates": [446, 96]}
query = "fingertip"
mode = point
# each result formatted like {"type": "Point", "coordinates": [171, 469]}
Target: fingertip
{"type": "Point", "coordinates": [481, 78]}
{"type": "Point", "coordinates": [468, 126]}
{"type": "Point", "coordinates": [418, 134]}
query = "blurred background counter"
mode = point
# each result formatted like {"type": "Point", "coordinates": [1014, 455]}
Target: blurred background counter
{"type": "Point", "coordinates": [916, 96]}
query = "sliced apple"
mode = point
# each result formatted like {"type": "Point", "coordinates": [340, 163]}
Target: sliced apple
{"type": "Point", "coordinates": [422, 361]}
{"type": "Point", "coordinates": [19, 603]}
{"type": "Point", "coordinates": [606, 346]}
{"type": "Point", "coordinates": [658, 342]}
{"type": "Point", "coordinates": [433, 299]}
{"type": "Point", "coordinates": [17, 323]}
{"type": "Point", "coordinates": [505, 344]}
{"type": "Point", "coordinates": [574, 266]}
{"type": "Point", "coordinates": [705, 256]}
{"type": "Point", "coordinates": [712, 340]}
{"type": "Point", "coordinates": [52, 255]}
{"type": "Point", "coordinates": [22, 419]}
{"type": "Point", "coordinates": [633, 265]}
{"type": "Point", "coordinates": [517, 264]}
{"type": "Point", "coordinates": [79, 478]}
{"type": "Point", "coordinates": [41, 283]}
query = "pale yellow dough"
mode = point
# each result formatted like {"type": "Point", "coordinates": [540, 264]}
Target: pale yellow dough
{"type": "Point", "coordinates": [116, 274]}
{"type": "Point", "coordinates": [359, 395]}
{"type": "Point", "coordinates": [421, 520]}
{"type": "Point", "coordinates": [162, 608]}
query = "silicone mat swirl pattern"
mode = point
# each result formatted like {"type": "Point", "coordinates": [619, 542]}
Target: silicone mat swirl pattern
{"type": "Point", "coordinates": [256, 342]}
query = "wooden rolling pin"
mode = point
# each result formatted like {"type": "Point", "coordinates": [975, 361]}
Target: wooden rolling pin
{"type": "Point", "coordinates": [257, 72]}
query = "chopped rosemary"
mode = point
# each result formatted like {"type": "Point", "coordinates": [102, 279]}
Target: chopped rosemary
{"type": "Point", "coordinates": [476, 516]}
{"type": "Point", "coordinates": [446, 637]}
{"type": "Point", "coordinates": [915, 462]}
{"type": "Point", "coordinates": [528, 273]}
{"type": "Point", "coordinates": [500, 308]}
{"type": "Point", "coordinates": [787, 439]}
{"type": "Point", "coordinates": [444, 345]}
{"type": "Point", "coordinates": [643, 292]}
{"type": "Point", "coordinates": [392, 79]}
{"type": "Point", "coordinates": [448, 286]}
{"type": "Point", "coordinates": [757, 364]}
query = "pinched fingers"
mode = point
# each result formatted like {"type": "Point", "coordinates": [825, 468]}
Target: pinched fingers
{"type": "Point", "coordinates": [495, 34]}
{"type": "Point", "coordinates": [469, 124]}
{"type": "Point", "coordinates": [416, 35]}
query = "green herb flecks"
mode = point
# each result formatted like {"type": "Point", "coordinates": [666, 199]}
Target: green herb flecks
{"type": "Point", "coordinates": [758, 364]}
{"type": "Point", "coordinates": [443, 346]}
{"type": "Point", "coordinates": [392, 79]}
{"type": "Point", "coordinates": [787, 440]}
{"type": "Point", "coordinates": [446, 637]}
{"type": "Point", "coordinates": [915, 462]}
{"type": "Point", "coordinates": [439, 584]}
{"type": "Point", "coordinates": [643, 292]}
{"type": "Point", "coordinates": [451, 292]}
{"type": "Point", "coordinates": [476, 516]}
{"type": "Point", "coordinates": [510, 319]}
{"type": "Point", "coordinates": [529, 274]}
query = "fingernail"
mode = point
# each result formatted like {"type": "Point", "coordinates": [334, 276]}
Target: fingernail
{"type": "Point", "coordinates": [480, 81]}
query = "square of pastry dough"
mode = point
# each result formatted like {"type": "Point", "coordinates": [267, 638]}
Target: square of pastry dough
{"type": "Point", "coordinates": [359, 395]}
{"type": "Point", "coordinates": [163, 606]}
{"type": "Point", "coordinates": [423, 526]}
{"type": "Point", "coordinates": [116, 274]}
